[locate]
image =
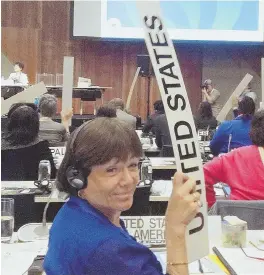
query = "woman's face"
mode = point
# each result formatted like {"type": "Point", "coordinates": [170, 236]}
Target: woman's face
{"type": "Point", "coordinates": [111, 186]}
{"type": "Point", "coordinates": [17, 69]}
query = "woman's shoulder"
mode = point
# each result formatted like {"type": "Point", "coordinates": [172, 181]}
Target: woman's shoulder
{"type": "Point", "coordinates": [37, 144]}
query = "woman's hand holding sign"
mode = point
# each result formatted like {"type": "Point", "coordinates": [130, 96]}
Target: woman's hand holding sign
{"type": "Point", "coordinates": [183, 206]}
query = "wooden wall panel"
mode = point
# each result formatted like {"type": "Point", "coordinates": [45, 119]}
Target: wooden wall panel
{"type": "Point", "coordinates": [46, 40]}
{"type": "Point", "coordinates": [22, 44]}
{"type": "Point", "coordinates": [21, 14]}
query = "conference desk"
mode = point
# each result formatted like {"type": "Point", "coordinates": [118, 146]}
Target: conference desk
{"type": "Point", "coordinates": [85, 94]}
{"type": "Point", "coordinates": [159, 164]}
{"type": "Point", "coordinates": [17, 257]}
{"type": "Point", "coordinates": [161, 191]}
{"type": "Point", "coordinates": [10, 90]}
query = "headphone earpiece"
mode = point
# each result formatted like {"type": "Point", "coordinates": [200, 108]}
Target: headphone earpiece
{"type": "Point", "coordinates": [76, 175]}
{"type": "Point", "coordinates": [76, 178]}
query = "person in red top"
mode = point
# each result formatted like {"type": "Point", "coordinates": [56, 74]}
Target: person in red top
{"type": "Point", "coordinates": [242, 169]}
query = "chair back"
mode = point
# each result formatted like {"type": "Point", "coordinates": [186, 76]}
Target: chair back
{"type": "Point", "coordinates": [167, 151]}
{"type": "Point", "coordinates": [250, 211]}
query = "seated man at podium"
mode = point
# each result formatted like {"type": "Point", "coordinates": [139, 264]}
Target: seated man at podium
{"type": "Point", "coordinates": [18, 77]}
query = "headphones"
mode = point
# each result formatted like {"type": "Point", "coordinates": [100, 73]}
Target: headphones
{"type": "Point", "coordinates": [76, 175]}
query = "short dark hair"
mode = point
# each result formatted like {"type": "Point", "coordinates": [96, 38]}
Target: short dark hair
{"type": "Point", "coordinates": [16, 105]}
{"type": "Point", "coordinates": [158, 106]}
{"type": "Point", "coordinates": [246, 106]}
{"type": "Point", "coordinates": [99, 141]}
{"type": "Point", "coordinates": [105, 111]}
{"type": "Point", "coordinates": [48, 105]}
{"type": "Point", "coordinates": [23, 126]}
{"type": "Point", "coordinates": [205, 110]}
{"type": "Point", "coordinates": [20, 65]}
{"type": "Point", "coordinates": [257, 129]}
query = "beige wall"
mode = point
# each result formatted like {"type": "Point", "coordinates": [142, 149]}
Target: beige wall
{"type": "Point", "coordinates": [226, 66]}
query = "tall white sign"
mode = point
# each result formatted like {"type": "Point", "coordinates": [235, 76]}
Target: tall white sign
{"type": "Point", "coordinates": [180, 119]}
{"type": "Point", "coordinates": [28, 96]}
{"type": "Point", "coordinates": [237, 92]}
{"type": "Point", "coordinates": [68, 67]}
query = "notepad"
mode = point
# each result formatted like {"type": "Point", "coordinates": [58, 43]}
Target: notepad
{"type": "Point", "coordinates": [240, 263]}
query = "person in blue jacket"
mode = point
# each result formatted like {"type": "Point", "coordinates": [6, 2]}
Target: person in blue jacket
{"type": "Point", "coordinates": [100, 172]}
{"type": "Point", "coordinates": [234, 133]}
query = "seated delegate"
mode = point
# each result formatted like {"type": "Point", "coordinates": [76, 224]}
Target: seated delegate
{"type": "Point", "coordinates": [242, 169]}
{"type": "Point", "coordinates": [163, 134]}
{"type": "Point", "coordinates": [151, 121]}
{"type": "Point", "coordinates": [18, 77]}
{"type": "Point", "coordinates": [50, 130]}
{"type": "Point", "coordinates": [234, 133]}
{"type": "Point", "coordinates": [119, 106]}
{"type": "Point", "coordinates": [100, 172]}
{"type": "Point", "coordinates": [205, 118]}
{"type": "Point", "coordinates": [21, 149]}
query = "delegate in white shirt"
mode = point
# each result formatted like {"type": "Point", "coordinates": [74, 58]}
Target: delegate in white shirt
{"type": "Point", "coordinates": [19, 78]}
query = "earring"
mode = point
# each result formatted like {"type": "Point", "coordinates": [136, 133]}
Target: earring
{"type": "Point", "coordinates": [80, 194]}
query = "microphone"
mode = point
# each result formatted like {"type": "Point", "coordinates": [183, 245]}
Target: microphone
{"type": "Point", "coordinates": [42, 231]}
{"type": "Point", "coordinates": [35, 231]}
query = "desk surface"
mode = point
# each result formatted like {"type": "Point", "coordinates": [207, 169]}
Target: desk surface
{"type": "Point", "coordinates": [81, 88]}
{"type": "Point", "coordinates": [163, 163]}
{"type": "Point", "coordinates": [22, 254]}
{"type": "Point", "coordinates": [161, 191]}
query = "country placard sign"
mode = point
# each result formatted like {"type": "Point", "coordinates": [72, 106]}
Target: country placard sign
{"type": "Point", "coordinates": [180, 119]}
{"type": "Point", "coordinates": [58, 152]}
{"type": "Point", "coordinates": [148, 230]}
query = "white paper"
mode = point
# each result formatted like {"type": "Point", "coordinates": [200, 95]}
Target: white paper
{"type": "Point", "coordinates": [17, 258]}
{"type": "Point", "coordinates": [241, 264]}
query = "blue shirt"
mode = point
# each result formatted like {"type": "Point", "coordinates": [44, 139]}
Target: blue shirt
{"type": "Point", "coordinates": [84, 242]}
{"type": "Point", "coordinates": [239, 129]}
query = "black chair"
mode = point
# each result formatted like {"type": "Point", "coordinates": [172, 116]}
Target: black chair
{"type": "Point", "coordinates": [167, 151]}
{"type": "Point", "coordinates": [141, 205]}
{"type": "Point", "coordinates": [250, 211]}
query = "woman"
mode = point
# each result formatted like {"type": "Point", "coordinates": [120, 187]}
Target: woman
{"type": "Point", "coordinates": [205, 118]}
{"type": "Point", "coordinates": [234, 133]}
{"type": "Point", "coordinates": [21, 148]}
{"type": "Point", "coordinates": [18, 77]}
{"type": "Point", "coordinates": [242, 169]}
{"type": "Point", "coordinates": [100, 172]}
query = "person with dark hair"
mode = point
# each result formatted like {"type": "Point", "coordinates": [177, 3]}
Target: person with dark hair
{"type": "Point", "coordinates": [106, 111]}
{"type": "Point", "coordinates": [50, 130]}
{"type": "Point", "coordinates": [205, 118]}
{"type": "Point", "coordinates": [21, 148]}
{"type": "Point", "coordinates": [100, 172]}
{"type": "Point", "coordinates": [11, 110]}
{"type": "Point", "coordinates": [242, 169]}
{"type": "Point", "coordinates": [247, 92]}
{"type": "Point", "coordinates": [235, 133]}
{"type": "Point", "coordinates": [162, 134]}
{"type": "Point", "coordinates": [150, 124]}
{"type": "Point", "coordinates": [119, 106]}
{"type": "Point", "coordinates": [16, 105]}
{"type": "Point", "coordinates": [18, 77]}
